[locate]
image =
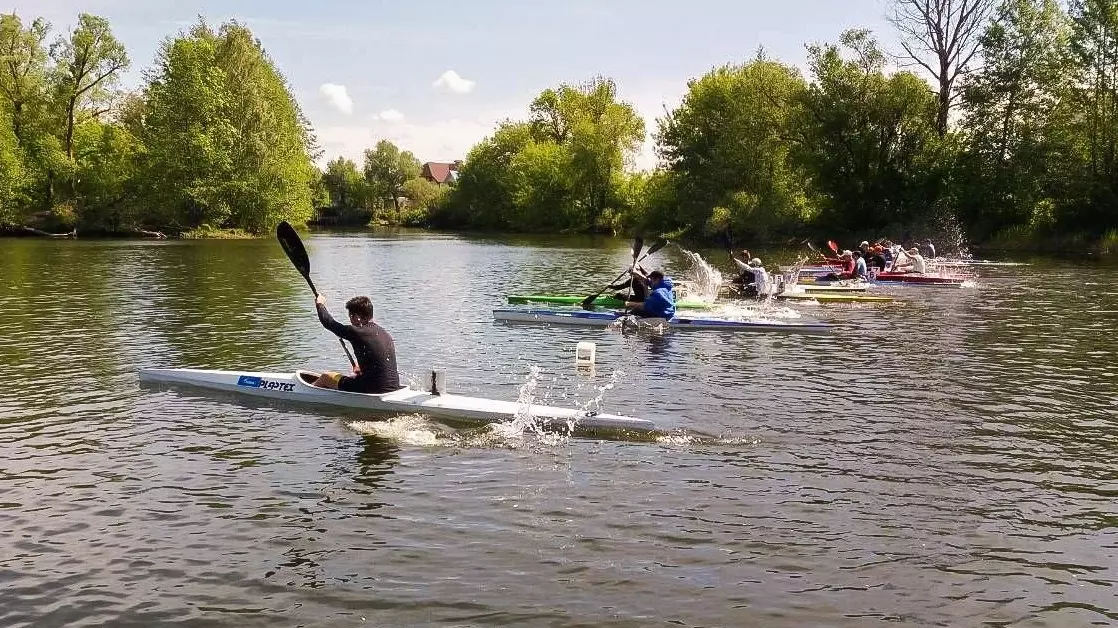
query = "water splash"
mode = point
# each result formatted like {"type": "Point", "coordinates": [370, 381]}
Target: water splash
{"type": "Point", "coordinates": [595, 403]}
{"type": "Point", "coordinates": [524, 424]}
{"type": "Point", "coordinates": [409, 429]}
{"type": "Point", "coordinates": [705, 279]}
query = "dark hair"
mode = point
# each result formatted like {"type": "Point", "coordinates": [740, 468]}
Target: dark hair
{"type": "Point", "coordinates": [361, 307]}
{"type": "Point", "coordinates": [655, 275]}
{"type": "Point", "coordinates": [856, 253]}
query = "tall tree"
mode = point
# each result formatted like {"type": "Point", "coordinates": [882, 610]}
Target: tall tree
{"type": "Point", "coordinates": [343, 182]}
{"type": "Point", "coordinates": [867, 138]}
{"type": "Point", "coordinates": [1016, 118]}
{"type": "Point", "coordinates": [23, 94]}
{"type": "Point", "coordinates": [941, 36]}
{"type": "Point", "coordinates": [12, 175]}
{"type": "Point", "coordinates": [599, 131]}
{"type": "Point", "coordinates": [1094, 56]}
{"type": "Point", "coordinates": [23, 66]}
{"type": "Point", "coordinates": [486, 193]}
{"type": "Point", "coordinates": [89, 60]}
{"type": "Point", "coordinates": [216, 97]}
{"type": "Point", "coordinates": [730, 144]}
{"type": "Point", "coordinates": [386, 170]}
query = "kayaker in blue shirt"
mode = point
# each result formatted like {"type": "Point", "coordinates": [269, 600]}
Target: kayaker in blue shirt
{"type": "Point", "coordinates": [661, 300]}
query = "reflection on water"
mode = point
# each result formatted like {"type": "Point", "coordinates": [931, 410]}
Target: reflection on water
{"type": "Point", "coordinates": [941, 460]}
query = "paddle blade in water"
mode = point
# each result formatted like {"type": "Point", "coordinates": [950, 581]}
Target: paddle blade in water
{"type": "Point", "coordinates": [293, 246]}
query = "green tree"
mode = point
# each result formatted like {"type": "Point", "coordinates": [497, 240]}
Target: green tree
{"type": "Point", "coordinates": [12, 175]}
{"type": "Point", "coordinates": [1094, 96]}
{"type": "Point", "coordinates": [731, 143]}
{"type": "Point", "coordinates": [484, 196]}
{"type": "Point", "coordinates": [89, 61]}
{"type": "Point", "coordinates": [543, 190]}
{"type": "Point", "coordinates": [1016, 119]}
{"type": "Point", "coordinates": [23, 68]}
{"type": "Point", "coordinates": [343, 182]}
{"type": "Point", "coordinates": [106, 156]}
{"type": "Point", "coordinates": [34, 156]}
{"type": "Point", "coordinates": [217, 97]}
{"type": "Point", "coordinates": [386, 169]}
{"type": "Point", "coordinates": [598, 131]}
{"type": "Point", "coordinates": [869, 140]}
{"type": "Point", "coordinates": [422, 195]}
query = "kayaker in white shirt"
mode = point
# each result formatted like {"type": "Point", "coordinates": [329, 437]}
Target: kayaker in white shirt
{"type": "Point", "coordinates": [754, 277]}
{"type": "Point", "coordinates": [912, 262]}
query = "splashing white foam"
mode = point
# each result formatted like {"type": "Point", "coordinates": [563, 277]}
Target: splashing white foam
{"type": "Point", "coordinates": [705, 279]}
{"type": "Point", "coordinates": [409, 429]}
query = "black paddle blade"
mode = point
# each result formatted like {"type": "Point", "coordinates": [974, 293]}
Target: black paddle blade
{"type": "Point", "coordinates": [656, 246]}
{"type": "Point", "coordinates": [293, 246]}
{"type": "Point", "coordinates": [621, 286]}
{"type": "Point", "coordinates": [638, 244]}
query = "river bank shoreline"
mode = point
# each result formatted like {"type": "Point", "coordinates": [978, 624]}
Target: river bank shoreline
{"type": "Point", "coordinates": [1018, 242]}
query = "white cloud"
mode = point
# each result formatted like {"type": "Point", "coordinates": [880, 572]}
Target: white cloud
{"type": "Point", "coordinates": [442, 140]}
{"type": "Point", "coordinates": [450, 81]}
{"type": "Point", "coordinates": [337, 96]}
{"type": "Point", "coordinates": [389, 115]}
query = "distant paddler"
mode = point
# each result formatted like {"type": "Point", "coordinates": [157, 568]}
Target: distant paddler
{"type": "Point", "coordinates": [848, 267]}
{"type": "Point", "coordinates": [872, 255]}
{"type": "Point", "coordinates": [910, 261]}
{"type": "Point", "coordinates": [752, 276]}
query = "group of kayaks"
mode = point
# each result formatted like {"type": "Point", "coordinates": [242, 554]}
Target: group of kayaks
{"type": "Point", "coordinates": [434, 400]}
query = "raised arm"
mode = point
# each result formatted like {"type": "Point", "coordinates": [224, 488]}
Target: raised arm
{"type": "Point", "coordinates": [336, 328]}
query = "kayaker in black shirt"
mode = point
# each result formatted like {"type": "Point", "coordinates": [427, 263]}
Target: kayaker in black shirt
{"type": "Point", "coordinates": [372, 346]}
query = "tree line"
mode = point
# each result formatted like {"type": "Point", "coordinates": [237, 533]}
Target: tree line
{"type": "Point", "coordinates": [1000, 123]}
{"type": "Point", "coordinates": [213, 140]}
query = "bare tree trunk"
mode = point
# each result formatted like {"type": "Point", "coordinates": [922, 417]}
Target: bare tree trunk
{"type": "Point", "coordinates": [941, 36]}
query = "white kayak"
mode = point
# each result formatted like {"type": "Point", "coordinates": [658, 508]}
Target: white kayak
{"type": "Point", "coordinates": [297, 387]}
{"type": "Point", "coordinates": [605, 319]}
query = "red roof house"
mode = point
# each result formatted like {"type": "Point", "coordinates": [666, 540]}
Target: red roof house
{"type": "Point", "coordinates": [440, 172]}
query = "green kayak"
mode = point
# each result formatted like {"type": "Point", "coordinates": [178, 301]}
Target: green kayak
{"type": "Point", "coordinates": [602, 301]}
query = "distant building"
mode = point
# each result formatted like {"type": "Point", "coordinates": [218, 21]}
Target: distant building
{"type": "Point", "coordinates": [441, 172]}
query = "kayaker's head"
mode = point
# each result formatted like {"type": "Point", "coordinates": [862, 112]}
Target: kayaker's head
{"type": "Point", "coordinates": [864, 245]}
{"type": "Point", "coordinates": [914, 251]}
{"type": "Point", "coordinates": [755, 262]}
{"type": "Point", "coordinates": [360, 310]}
{"type": "Point", "coordinates": [655, 278]}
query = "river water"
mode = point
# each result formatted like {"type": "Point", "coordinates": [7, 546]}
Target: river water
{"type": "Point", "coordinates": [946, 460]}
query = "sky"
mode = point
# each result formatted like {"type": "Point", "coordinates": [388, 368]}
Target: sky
{"type": "Point", "coordinates": [435, 77]}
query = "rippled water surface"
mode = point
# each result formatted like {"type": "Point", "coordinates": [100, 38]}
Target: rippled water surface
{"type": "Point", "coordinates": [948, 459]}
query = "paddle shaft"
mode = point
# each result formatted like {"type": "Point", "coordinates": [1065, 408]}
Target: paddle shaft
{"type": "Point", "coordinates": [588, 302]}
{"type": "Point", "coordinates": [297, 254]}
